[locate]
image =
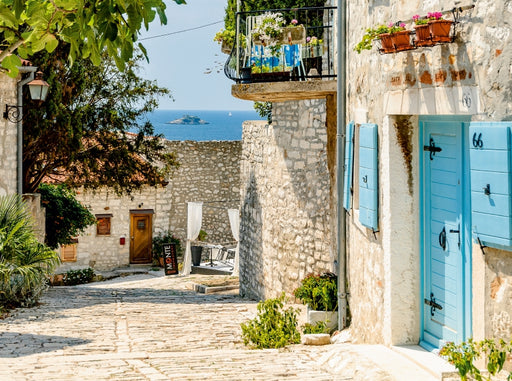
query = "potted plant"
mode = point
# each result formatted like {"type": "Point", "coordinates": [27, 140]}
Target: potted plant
{"type": "Point", "coordinates": [439, 27]}
{"type": "Point", "coordinates": [422, 29]}
{"type": "Point", "coordinates": [157, 246]}
{"type": "Point", "coordinates": [269, 30]}
{"type": "Point", "coordinates": [196, 251]}
{"type": "Point", "coordinates": [226, 38]}
{"type": "Point", "coordinates": [380, 32]}
{"type": "Point", "coordinates": [319, 292]}
{"type": "Point", "coordinates": [400, 37]}
{"type": "Point", "coordinates": [293, 34]}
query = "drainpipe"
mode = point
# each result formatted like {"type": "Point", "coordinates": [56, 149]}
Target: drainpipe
{"type": "Point", "coordinates": [340, 152]}
{"type": "Point", "coordinates": [19, 150]}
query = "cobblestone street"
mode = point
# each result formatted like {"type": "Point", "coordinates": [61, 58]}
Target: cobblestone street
{"type": "Point", "coordinates": [149, 327]}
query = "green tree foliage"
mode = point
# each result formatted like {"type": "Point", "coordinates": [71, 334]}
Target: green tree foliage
{"type": "Point", "coordinates": [65, 216]}
{"type": "Point", "coordinates": [89, 26]}
{"type": "Point", "coordinates": [91, 129]}
{"type": "Point", "coordinates": [25, 263]}
{"type": "Point", "coordinates": [273, 327]}
{"type": "Point", "coordinates": [319, 292]}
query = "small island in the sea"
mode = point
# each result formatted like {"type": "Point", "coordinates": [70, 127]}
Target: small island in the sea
{"type": "Point", "coordinates": [189, 120]}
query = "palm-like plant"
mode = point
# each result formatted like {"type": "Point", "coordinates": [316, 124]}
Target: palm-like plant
{"type": "Point", "coordinates": [25, 263]}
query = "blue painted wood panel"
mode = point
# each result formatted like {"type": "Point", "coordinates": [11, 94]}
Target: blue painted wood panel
{"type": "Point", "coordinates": [349, 163]}
{"type": "Point", "coordinates": [490, 167]}
{"type": "Point", "coordinates": [368, 176]}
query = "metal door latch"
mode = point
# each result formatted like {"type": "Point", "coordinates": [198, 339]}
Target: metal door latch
{"type": "Point", "coordinates": [433, 305]}
{"type": "Point", "coordinates": [432, 149]}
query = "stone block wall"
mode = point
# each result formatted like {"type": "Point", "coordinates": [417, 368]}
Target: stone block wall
{"type": "Point", "coordinates": [8, 138]}
{"type": "Point", "coordinates": [208, 172]}
{"type": "Point", "coordinates": [286, 223]}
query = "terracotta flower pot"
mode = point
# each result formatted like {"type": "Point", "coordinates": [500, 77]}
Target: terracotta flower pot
{"type": "Point", "coordinates": [440, 30]}
{"type": "Point", "coordinates": [423, 37]}
{"type": "Point", "coordinates": [402, 40]}
{"type": "Point", "coordinates": [387, 43]}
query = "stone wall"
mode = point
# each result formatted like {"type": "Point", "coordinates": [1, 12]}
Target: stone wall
{"type": "Point", "coordinates": [470, 76]}
{"type": "Point", "coordinates": [287, 210]}
{"type": "Point", "coordinates": [208, 172]}
{"type": "Point", "coordinates": [7, 138]}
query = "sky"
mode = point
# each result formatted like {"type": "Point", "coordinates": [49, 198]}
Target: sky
{"type": "Point", "coordinates": [179, 61]}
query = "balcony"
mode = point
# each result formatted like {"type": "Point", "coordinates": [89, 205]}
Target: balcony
{"type": "Point", "coordinates": [283, 54]}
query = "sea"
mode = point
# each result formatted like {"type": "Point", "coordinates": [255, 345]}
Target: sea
{"type": "Point", "coordinates": [222, 124]}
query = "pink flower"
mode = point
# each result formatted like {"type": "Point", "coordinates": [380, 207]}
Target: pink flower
{"type": "Point", "coordinates": [415, 17]}
{"type": "Point", "coordinates": [390, 25]}
{"type": "Point", "coordinates": [402, 25]}
{"type": "Point", "coordinates": [308, 39]}
{"type": "Point", "coordinates": [294, 22]}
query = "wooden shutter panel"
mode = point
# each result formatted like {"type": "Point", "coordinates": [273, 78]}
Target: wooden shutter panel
{"type": "Point", "coordinates": [490, 170]}
{"type": "Point", "coordinates": [68, 253]}
{"type": "Point", "coordinates": [349, 160]}
{"type": "Point", "coordinates": [368, 176]}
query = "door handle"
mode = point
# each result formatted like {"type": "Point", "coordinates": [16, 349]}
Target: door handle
{"type": "Point", "coordinates": [132, 237]}
{"type": "Point", "coordinates": [442, 239]}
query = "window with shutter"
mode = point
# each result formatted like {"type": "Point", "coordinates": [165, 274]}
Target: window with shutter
{"type": "Point", "coordinates": [349, 156]}
{"type": "Point", "coordinates": [490, 171]}
{"type": "Point", "coordinates": [368, 176]}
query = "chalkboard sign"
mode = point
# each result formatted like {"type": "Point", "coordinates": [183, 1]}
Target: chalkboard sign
{"type": "Point", "coordinates": [170, 259]}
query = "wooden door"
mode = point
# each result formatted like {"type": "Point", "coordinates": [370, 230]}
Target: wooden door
{"type": "Point", "coordinates": [444, 226]}
{"type": "Point", "coordinates": [140, 238]}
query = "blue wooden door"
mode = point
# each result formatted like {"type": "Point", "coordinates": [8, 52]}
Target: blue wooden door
{"type": "Point", "coordinates": [444, 232]}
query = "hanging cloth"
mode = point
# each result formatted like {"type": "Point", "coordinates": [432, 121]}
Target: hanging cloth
{"type": "Point", "coordinates": [194, 219]}
{"type": "Point", "coordinates": [234, 222]}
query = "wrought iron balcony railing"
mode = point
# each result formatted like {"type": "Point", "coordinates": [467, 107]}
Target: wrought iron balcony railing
{"type": "Point", "coordinates": [301, 50]}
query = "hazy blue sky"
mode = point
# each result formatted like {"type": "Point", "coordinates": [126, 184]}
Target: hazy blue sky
{"type": "Point", "coordinates": [179, 61]}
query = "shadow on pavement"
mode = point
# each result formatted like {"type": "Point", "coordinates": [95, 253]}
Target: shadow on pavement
{"type": "Point", "coordinates": [14, 344]}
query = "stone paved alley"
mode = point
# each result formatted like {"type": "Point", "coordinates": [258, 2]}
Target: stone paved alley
{"type": "Point", "coordinates": [151, 327]}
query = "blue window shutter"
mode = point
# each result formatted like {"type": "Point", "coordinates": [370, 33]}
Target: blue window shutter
{"type": "Point", "coordinates": [349, 159]}
{"type": "Point", "coordinates": [368, 176]}
{"type": "Point", "coordinates": [490, 171]}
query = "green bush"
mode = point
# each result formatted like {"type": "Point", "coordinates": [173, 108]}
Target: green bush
{"type": "Point", "coordinates": [318, 327]}
{"type": "Point", "coordinates": [319, 292]}
{"type": "Point", "coordinates": [66, 217]}
{"type": "Point", "coordinates": [160, 239]}
{"type": "Point", "coordinates": [273, 327]}
{"type": "Point", "coordinates": [80, 276]}
{"type": "Point", "coordinates": [25, 263]}
{"type": "Point", "coordinates": [463, 356]}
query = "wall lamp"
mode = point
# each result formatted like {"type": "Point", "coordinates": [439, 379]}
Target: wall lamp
{"type": "Point", "coordinates": [38, 92]}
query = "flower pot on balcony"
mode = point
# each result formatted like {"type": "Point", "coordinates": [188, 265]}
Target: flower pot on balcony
{"type": "Point", "coordinates": [293, 35]}
{"type": "Point", "coordinates": [387, 43]}
{"type": "Point", "coordinates": [440, 30]}
{"type": "Point", "coordinates": [278, 76]}
{"type": "Point", "coordinates": [423, 37]}
{"type": "Point", "coordinates": [402, 40]}
{"type": "Point", "coordinates": [196, 255]}
{"type": "Point", "coordinates": [312, 51]}
{"type": "Point", "coordinates": [226, 48]}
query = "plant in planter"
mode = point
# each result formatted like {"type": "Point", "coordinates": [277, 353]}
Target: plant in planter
{"type": "Point", "coordinates": [269, 31]}
{"type": "Point", "coordinates": [400, 37]}
{"type": "Point", "coordinates": [372, 34]}
{"type": "Point", "coordinates": [319, 292]}
{"type": "Point", "coordinates": [422, 29]}
{"type": "Point", "coordinates": [226, 38]}
{"type": "Point", "coordinates": [439, 27]}
{"type": "Point", "coordinates": [157, 246]}
{"type": "Point", "coordinates": [196, 250]}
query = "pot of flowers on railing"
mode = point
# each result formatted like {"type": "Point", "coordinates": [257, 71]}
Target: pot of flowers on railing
{"type": "Point", "coordinates": [293, 34]}
{"type": "Point", "coordinates": [269, 30]}
{"type": "Point", "coordinates": [439, 27]}
{"type": "Point", "coordinates": [423, 37]}
{"type": "Point", "coordinates": [313, 47]}
{"type": "Point", "coordinates": [381, 32]}
{"type": "Point", "coordinates": [320, 293]}
{"type": "Point", "coordinates": [226, 39]}
{"type": "Point", "coordinates": [400, 37]}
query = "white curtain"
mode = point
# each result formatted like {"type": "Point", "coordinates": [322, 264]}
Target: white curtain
{"type": "Point", "coordinates": [234, 222]}
{"type": "Point", "coordinates": [194, 219]}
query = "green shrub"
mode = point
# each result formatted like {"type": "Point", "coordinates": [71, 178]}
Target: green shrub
{"type": "Point", "coordinates": [80, 276]}
{"type": "Point", "coordinates": [158, 244]}
{"type": "Point", "coordinates": [25, 263]}
{"type": "Point", "coordinates": [463, 356]}
{"type": "Point", "coordinates": [273, 327]}
{"type": "Point", "coordinates": [318, 327]}
{"type": "Point", "coordinates": [319, 292]}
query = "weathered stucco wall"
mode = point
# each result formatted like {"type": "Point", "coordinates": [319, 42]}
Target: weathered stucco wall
{"type": "Point", "coordinates": [7, 138]}
{"type": "Point", "coordinates": [208, 172]}
{"type": "Point", "coordinates": [471, 76]}
{"type": "Point", "coordinates": [287, 210]}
